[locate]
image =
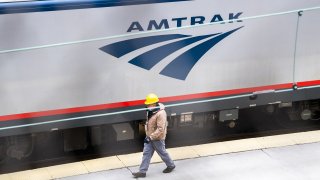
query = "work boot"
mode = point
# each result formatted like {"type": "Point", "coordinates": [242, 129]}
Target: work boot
{"type": "Point", "coordinates": [139, 174]}
{"type": "Point", "coordinates": [168, 169]}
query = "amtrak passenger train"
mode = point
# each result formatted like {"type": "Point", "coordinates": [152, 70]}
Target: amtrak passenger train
{"type": "Point", "coordinates": [85, 66]}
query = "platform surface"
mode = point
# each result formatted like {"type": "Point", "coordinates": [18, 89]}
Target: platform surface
{"type": "Point", "coordinates": [293, 162]}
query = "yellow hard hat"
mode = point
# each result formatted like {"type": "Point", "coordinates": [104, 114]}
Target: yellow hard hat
{"type": "Point", "coordinates": [151, 99]}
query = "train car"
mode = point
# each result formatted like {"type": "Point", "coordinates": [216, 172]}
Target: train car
{"type": "Point", "coordinates": [68, 64]}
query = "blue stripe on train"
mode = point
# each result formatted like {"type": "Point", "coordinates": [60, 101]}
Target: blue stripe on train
{"type": "Point", "coordinates": [58, 5]}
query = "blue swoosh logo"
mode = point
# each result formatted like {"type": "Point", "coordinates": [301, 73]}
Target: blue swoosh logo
{"type": "Point", "coordinates": [150, 58]}
{"type": "Point", "coordinates": [121, 48]}
{"type": "Point", "coordinates": [178, 68]}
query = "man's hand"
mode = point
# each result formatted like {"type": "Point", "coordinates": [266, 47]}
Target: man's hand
{"type": "Point", "coordinates": [147, 139]}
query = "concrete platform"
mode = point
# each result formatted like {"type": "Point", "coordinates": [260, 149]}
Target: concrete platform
{"type": "Point", "coordinates": [293, 162]}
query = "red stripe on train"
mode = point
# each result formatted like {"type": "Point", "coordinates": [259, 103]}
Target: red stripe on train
{"type": "Point", "coordinates": [163, 99]}
{"type": "Point", "coordinates": [308, 83]}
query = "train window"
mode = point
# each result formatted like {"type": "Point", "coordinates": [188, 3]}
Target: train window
{"type": "Point", "coordinates": [186, 118]}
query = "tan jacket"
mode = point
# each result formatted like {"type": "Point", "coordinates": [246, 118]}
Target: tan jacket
{"type": "Point", "coordinates": [156, 126]}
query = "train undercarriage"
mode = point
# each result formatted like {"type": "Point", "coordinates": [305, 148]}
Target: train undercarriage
{"type": "Point", "coordinates": [183, 129]}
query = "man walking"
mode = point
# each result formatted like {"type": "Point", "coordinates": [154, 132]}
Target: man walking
{"type": "Point", "coordinates": [156, 130]}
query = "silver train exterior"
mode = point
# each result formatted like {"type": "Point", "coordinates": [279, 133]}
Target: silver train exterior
{"type": "Point", "coordinates": [60, 61]}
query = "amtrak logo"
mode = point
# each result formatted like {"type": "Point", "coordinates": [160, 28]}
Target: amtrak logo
{"type": "Point", "coordinates": [179, 67]}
